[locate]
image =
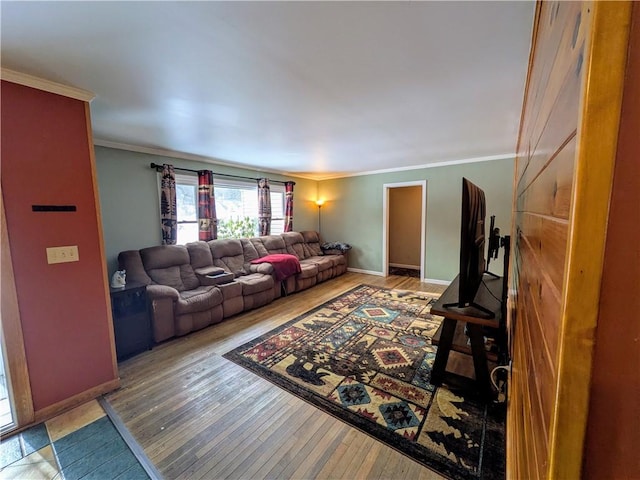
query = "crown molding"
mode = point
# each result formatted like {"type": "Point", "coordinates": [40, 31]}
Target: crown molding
{"type": "Point", "coordinates": [46, 85]}
{"type": "Point", "coordinates": [447, 163]}
{"type": "Point", "coordinates": [189, 156]}
{"type": "Point", "coordinates": [200, 158]}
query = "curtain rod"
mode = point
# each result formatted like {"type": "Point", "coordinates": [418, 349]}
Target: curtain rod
{"type": "Point", "coordinates": [158, 168]}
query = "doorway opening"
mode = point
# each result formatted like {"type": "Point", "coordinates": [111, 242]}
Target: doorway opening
{"type": "Point", "coordinates": [404, 227]}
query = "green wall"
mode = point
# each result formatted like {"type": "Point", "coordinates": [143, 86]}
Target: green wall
{"type": "Point", "coordinates": [353, 212]}
{"type": "Point", "coordinates": [129, 198]}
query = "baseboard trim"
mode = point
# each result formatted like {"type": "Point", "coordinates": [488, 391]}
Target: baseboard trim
{"type": "Point", "coordinates": [380, 274]}
{"type": "Point", "coordinates": [402, 265]}
{"type": "Point", "coordinates": [51, 411]}
{"type": "Point", "coordinates": [436, 281]}
{"type": "Point", "coordinates": [366, 272]}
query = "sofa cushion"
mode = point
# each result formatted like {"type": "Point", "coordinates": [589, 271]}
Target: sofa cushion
{"type": "Point", "coordinates": [228, 254]}
{"type": "Point", "coordinates": [295, 244]}
{"type": "Point", "coordinates": [259, 246]}
{"type": "Point", "coordinates": [255, 283]}
{"type": "Point", "coordinates": [308, 270]}
{"type": "Point", "coordinates": [264, 268]}
{"type": "Point", "coordinates": [249, 250]}
{"type": "Point", "coordinates": [323, 263]}
{"type": "Point", "coordinates": [169, 265]}
{"type": "Point", "coordinates": [198, 300]}
{"type": "Point", "coordinates": [163, 256]}
{"type": "Point", "coordinates": [271, 244]}
{"type": "Point", "coordinates": [131, 261]}
{"type": "Point", "coordinates": [251, 253]}
{"type": "Point", "coordinates": [336, 259]}
{"type": "Point", "coordinates": [230, 290]}
{"type": "Point", "coordinates": [200, 255]}
{"type": "Point", "coordinates": [312, 242]}
{"type": "Point", "coordinates": [169, 276]}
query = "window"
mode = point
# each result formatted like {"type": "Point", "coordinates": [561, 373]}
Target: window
{"type": "Point", "coordinates": [236, 208]}
{"type": "Point", "coordinates": [187, 208]}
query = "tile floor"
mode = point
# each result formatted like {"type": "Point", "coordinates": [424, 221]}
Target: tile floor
{"type": "Point", "coordinates": [81, 443]}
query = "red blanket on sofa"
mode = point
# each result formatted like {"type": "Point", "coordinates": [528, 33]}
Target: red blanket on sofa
{"type": "Point", "coordinates": [284, 265]}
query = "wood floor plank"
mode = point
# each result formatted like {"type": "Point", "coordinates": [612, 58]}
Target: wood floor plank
{"type": "Point", "coordinates": [377, 469]}
{"type": "Point", "coordinates": [246, 457]}
{"type": "Point", "coordinates": [316, 459]}
{"type": "Point", "coordinates": [233, 450]}
{"type": "Point", "coordinates": [368, 461]}
{"type": "Point", "coordinates": [304, 440]}
{"type": "Point", "coordinates": [198, 415]}
{"type": "Point", "coordinates": [357, 453]}
{"type": "Point", "coordinates": [335, 464]}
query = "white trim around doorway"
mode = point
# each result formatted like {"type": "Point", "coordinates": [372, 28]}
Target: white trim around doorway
{"type": "Point", "coordinates": [385, 226]}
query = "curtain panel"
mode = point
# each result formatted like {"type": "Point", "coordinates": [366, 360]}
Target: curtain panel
{"type": "Point", "coordinates": [168, 212]}
{"type": "Point", "coordinates": [264, 207]}
{"type": "Point", "coordinates": [288, 206]}
{"type": "Point", "coordinates": [207, 220]}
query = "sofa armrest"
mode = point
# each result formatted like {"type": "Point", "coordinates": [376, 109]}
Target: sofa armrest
{"type": "Point", "coordinates": [162, 291]}
{"type": "Point", "coordinates": [212, 275]}
{"type": "Point", "coordinates": [211, 270]}
{"type": "Point", "coordinates": [162, 299]}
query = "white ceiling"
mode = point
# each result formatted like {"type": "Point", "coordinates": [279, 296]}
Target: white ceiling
{"type": "Point", "coordinates": [313, 88]}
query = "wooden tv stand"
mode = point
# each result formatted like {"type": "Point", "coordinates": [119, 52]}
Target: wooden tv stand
{"type": "Point", "coordinates": [451, 335]}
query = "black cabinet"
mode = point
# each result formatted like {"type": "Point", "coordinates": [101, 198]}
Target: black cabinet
{"type": "Point", "coordinates": [131, 320]}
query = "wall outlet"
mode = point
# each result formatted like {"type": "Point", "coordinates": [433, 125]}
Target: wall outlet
{"type": "Point", "coordinates": [62, 254]}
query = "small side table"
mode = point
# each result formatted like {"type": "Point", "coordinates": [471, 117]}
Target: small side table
{"type": "Point", "coordinates": [131, 320]}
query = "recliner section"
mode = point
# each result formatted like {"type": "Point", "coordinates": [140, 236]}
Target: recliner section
{"type": "Point", "coordinates": [191, 287]}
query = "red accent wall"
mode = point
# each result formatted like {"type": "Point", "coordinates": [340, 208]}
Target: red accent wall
{"type": "Point", "coordinates": [47, 160]}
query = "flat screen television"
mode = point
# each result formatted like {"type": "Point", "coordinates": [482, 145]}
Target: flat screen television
{"type": "Point", "coordinates": [472, 246]}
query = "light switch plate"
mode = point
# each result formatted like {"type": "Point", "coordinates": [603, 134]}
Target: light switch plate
{"type": "Point", "coordinates": [62, 254]}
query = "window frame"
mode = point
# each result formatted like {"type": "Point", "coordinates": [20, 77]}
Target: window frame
{"type": "Point", "coordinates": [192, 180]}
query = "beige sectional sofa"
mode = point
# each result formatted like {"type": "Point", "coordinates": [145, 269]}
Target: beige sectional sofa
{"type": "Point", "coordinates": [195, 285]}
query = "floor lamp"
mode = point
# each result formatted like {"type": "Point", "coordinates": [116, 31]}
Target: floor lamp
{"type": "Point", "coordinates": [319, 203]}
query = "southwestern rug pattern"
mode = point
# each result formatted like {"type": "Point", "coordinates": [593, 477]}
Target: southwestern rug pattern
{"type": "Point", "coordinates": [365, 357]}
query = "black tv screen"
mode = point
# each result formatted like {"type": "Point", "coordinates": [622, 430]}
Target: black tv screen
{"type": "Point", "coordinates": [472, 240]}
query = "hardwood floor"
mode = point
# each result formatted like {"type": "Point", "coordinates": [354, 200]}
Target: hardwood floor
{"type": "Point", "coordinates": [198, 415]}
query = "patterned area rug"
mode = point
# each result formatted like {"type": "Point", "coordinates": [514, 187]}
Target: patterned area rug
{"type": "Point", "coordinates": [365, 357]}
